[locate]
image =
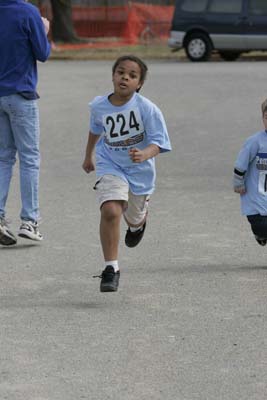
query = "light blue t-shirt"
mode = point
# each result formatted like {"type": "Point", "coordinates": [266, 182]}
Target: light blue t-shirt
{"type": "Point", "coordinates": [138, 123]}
{"type": "Point", "coordinates": [252, 158]}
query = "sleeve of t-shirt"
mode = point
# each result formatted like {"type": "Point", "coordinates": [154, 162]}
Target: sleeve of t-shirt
{"type": "Point", "coordinates": [95, 123]}
{"type": "Point", "coordinates": [247, 154]}
{"type": "Point", "coordinates": [37, 35]}
{"type": "Point", "coordinates": [155, 127]}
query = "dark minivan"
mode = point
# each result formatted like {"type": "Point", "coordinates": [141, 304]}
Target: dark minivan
{"type": "Point", "coordinates": [230, 27]}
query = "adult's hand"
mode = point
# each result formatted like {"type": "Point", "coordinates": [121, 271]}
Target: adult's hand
{"type": "Point", "coordinates": [46, 24]}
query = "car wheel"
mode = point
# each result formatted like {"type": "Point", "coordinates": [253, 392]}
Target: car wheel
{"type": "Point", "coordinates": [229, 55]}
{"type": "Point", "coordinates": [198, 47]}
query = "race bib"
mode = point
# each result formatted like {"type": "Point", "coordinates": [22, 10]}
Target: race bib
{"type": "Point", "coordinates": [262, 186]}
{"type": "Point", "coordinates": [123, 128]}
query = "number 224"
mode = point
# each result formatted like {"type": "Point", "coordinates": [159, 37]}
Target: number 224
{"type": "Point", "coordinates": [120, 120]}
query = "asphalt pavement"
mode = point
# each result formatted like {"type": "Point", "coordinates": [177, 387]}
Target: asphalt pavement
{"type": "Point", "coordinates": [189, 319]}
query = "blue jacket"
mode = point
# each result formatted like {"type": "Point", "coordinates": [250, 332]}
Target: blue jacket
{"type": "Point", "coordinates": [23, 41]}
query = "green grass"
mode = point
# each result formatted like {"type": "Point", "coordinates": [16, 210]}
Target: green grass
{"type": "Point", "coordinates": [148, 51]}
{"type": "Point", "coordinates": [152, 50]}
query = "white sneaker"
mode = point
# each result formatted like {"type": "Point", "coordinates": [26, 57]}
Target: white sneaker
{"type": "Point", "coordinates": [30, 230]}
{"type": "Point", "coordinates": [7, 238]}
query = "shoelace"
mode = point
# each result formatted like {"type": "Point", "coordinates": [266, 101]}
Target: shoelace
{"type": "Point", "coordinates": [103, 274]}
{"type": "Point", "coordinates": [97, 276]}
{"type": "Point", "coordinates": [34, 225]}
{"type": "Point", "coordinates": [29, 226]}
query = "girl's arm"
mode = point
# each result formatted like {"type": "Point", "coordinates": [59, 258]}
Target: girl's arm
{"type": "Point", "coordinates": [88, 164]}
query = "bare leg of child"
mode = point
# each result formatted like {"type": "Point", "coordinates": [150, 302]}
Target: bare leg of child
{"type": "Point", "coordinates": [111, 212]}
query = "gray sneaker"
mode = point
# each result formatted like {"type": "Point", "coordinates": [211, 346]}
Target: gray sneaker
{"type": "Point", "coordinates": [7, 238]}
{"type": "Point", "coordinates": [30, 230]}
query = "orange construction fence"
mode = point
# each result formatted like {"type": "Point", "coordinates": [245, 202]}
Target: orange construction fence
{"type": "Point", "coordinates": [131, 23]}
{"type": "Point", "coordinates": [147, 21]}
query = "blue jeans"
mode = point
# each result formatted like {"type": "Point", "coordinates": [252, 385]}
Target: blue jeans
{"type": "Point", "coordinates": [20, 133]}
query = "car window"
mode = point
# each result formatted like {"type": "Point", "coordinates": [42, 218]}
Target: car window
{"type": "Point", "coordinates": [257, 7]}
{"type": "Point", "coordinates": [226, 6]}
{"type": "Point", "coordinates": [194, 5]}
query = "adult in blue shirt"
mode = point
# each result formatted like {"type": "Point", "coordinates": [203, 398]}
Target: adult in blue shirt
{"type": "Point", "coordinates": [23, 42]}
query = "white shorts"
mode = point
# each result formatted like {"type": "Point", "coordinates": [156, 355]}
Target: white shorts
{"type": "Point", "coordinates": [111, 187]}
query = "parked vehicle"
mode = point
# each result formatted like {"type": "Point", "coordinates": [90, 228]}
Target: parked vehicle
{"type": "Point", "coordinates": [229, 27]}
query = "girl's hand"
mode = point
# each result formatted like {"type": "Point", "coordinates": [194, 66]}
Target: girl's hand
{"type": "Point", "coordinates": [137, 155]}
{"type": "Point", "coordinates": [88, 165]}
